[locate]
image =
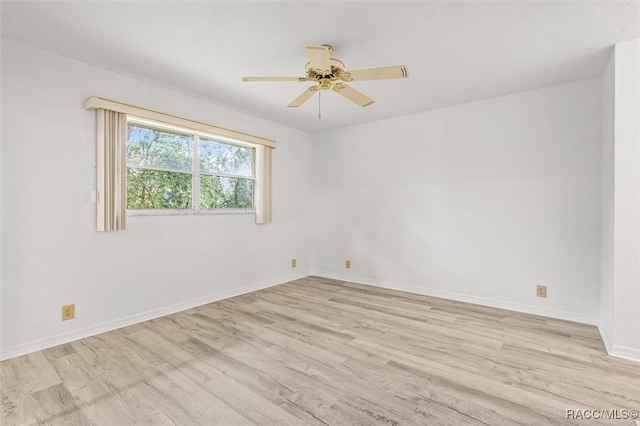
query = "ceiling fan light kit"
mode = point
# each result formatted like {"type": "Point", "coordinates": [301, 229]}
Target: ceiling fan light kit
{"type": "Point", "coordinates": [329, 73]}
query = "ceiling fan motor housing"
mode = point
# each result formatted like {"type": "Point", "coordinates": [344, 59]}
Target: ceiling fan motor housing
{"type": "Point", "coordinates": [326, 78]}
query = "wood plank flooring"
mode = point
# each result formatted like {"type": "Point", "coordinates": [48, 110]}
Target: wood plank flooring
{"type": "Point", "coordinates": [317, 351]}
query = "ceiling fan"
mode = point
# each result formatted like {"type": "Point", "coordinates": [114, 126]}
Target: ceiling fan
{"type": "Point", "coordinates": [329, 73]}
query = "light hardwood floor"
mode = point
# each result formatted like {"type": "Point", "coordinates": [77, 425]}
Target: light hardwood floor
{"type": "Point", "coordinates": [318, 351]}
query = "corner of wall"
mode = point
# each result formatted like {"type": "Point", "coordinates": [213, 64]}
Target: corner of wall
{"type": "Point", "coordinates": [606, 314]}
{"type": "Point", "coordinates": [620, 249]}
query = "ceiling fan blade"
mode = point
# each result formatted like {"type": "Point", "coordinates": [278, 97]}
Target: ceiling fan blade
{"type": "Point", "coordinates": [319, 57]}
{"type": "Point", "coordinates": [274, 79]}
{"type": "Point", "coordinates": [352, 94]}
{"type": "Point", "coordinates": [304, 97]}
{"type": "Point", "coordinates": [398, 71]}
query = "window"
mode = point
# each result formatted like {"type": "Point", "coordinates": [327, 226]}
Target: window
{"type": "Point", "coordinates": [166, 174]}
{"type": "Point", "coordinates": [170, 169]}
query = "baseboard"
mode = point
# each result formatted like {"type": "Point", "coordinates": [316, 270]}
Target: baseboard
{"type": "Point", "coordinates": [625, 352]}
{"type": "Point", "coordinates": [618, 350]}
{"type": "Point", "coordinates": [494, 303]}
{"type": "Point", "coordinates": [59, 339]}
{"type": "Point", "coordinates": [25, 348]}
{"type": "Point", "coordinates": [605, 338]}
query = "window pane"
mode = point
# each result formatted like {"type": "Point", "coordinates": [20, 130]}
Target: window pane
{"type": "Point", "coordinates": [157, 148]}
{"type": "Point", "coordinates": [225, 193]}
{"type": "Point", "coordinates": [153, 189]}
{"type": "Point", "coordinates": [216, 157]}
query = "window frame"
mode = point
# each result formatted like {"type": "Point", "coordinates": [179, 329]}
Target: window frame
{"type": "Point", "coordinates": [195, 171]}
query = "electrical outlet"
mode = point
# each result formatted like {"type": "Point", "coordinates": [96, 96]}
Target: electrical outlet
{"type": "Point", "coordinates": [347, 264]}
{"type": "Point", "coordinates": [541, 290]}
{"type": "Point", "coordinates": [68, 312]}
{"type": "Point", "coordinates": [293, 263]}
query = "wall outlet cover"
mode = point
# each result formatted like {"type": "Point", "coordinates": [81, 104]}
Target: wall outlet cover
{"type": "Point", "coordinates": [541, 290]}
{"type": "Point", "coordinates": [68, 312]}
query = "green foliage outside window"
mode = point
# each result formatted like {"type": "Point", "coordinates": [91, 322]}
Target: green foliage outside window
{"type": "Point", "coordinates": [153, 189]}
{"type": "Point", "coordinates": [220, 193]}
{"type": "Point", "coordinates": [157, 148]}
{"type": "Point", "coordinates": [217, 157]}
{"type": "Point", "coordinates": [150, 186]}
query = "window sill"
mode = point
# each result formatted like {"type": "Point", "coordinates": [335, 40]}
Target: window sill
{"type": "Point", "coordinates": [190, 212]}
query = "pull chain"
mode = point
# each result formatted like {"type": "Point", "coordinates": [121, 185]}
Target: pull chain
{"type": "Point", "coordinates": [319, 109]}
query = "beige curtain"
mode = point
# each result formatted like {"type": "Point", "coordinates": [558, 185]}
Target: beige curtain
{"type": "Point", "coordinates": [111, 170]}
{"type": "Point", "coordinates": [263, 187]}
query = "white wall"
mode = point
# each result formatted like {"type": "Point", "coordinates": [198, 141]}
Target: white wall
{"type": "Point", "coordinates": [478, 202]}
{"type": "Point", "coordinates": [620, 316]}
{"type": "Point", "coordinates": [627, 195]}
{"type": "Point", "coordinates": [52, 254]}
{"type": "Point", "coordinates": [606, 320]}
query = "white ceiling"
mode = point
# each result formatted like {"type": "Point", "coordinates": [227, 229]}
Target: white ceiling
{"type": "Point", "coordinates": [456, 52]}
